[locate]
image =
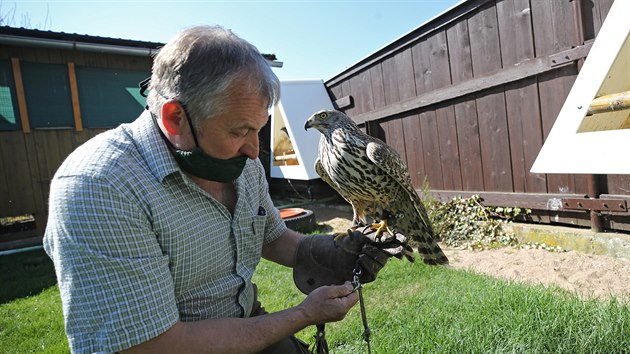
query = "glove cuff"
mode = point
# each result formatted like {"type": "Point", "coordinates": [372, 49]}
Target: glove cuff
{"type": "Point", "coordinates": [312, 267]}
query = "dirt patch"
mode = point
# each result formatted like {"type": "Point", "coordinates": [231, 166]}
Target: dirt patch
{"type": "Point", "coordinates": [585, 274]}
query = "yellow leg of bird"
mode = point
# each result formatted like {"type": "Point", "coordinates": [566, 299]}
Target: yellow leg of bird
{"type": "Point", "coordinates": [379, 228]}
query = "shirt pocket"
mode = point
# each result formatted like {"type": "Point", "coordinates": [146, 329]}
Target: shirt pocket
{"type": "Point", "coordinates": [258, 225]}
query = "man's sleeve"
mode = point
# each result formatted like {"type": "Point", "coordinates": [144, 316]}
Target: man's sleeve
{"type": "Point", "coordinates": [115, 283]}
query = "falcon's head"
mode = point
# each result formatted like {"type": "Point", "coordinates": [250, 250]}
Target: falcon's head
{"type": "Point", "coordinates": [328, 120]}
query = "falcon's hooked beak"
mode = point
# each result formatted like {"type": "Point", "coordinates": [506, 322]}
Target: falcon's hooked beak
{"type": "Point", "coordinates": [308, 124]}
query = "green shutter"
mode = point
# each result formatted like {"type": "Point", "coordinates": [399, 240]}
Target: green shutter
{"type": "Point", "coordinates": [47, 92]}
{"type": "Point", "coordinates": [109, 97]}
{"type": "Point", "coordinates": [9, 117]}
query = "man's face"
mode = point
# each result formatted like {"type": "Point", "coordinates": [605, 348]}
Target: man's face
{"type": "Point", "coordinates": [235, 132]}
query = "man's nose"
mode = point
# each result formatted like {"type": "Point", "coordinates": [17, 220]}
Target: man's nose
{"type": "Point", "coordinates": [251, 147]}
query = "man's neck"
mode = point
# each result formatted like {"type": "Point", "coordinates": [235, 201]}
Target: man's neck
{"type": "Point", "coordinates": [224, 193]}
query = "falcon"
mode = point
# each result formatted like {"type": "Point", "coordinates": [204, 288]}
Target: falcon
{"type": "Point", "coordinates": [372, 177]}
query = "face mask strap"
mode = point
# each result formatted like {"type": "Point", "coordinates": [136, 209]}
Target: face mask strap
{"type": "Point", "coordinates": [192, 128]}
{"type": "Point", "coordinates": [144, 86]}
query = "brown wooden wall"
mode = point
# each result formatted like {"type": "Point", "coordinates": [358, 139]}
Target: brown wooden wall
{"type": "Point", "coordinates": [468, 99]}
{"type": "Point", "coordinates": [28, 160]}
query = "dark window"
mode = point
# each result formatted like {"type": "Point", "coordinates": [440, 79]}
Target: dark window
{"type": "Point", "coordinates": [47, 92]}
{"type": "Point", "coordinates": [109, 97]}
{"type": "Point", "coordinates": [9, 117]}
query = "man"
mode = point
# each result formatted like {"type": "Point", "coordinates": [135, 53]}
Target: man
{"type": "Point", "coordinates": [157, 226]}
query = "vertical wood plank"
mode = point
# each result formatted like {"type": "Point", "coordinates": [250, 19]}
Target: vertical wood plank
{"type": "Point", "coordinates": [404, 71]}
{"type": "Point", "coordinates": [465, 109]}
{"type": "Point", "coordinates": [377, 85]}
{"type": "Point", "coordinates": [396, 137]}
{"type": "Point", "coordinates": [422, 66]}
{"type": "Point", "coordinates": [431, 149]}
{"type": "Point", "coordinates": [375, 129]}
{"type": "Point", "coordinates": [515, 31]}
{"type": "Point", "coordinates": [495, 146]}
{"type": "Point", "coordinates": [522, 105]}
{"type": "Point", "coordinates": [406, 89]}
{"type": "Point", "coordinates": [440, 66]}
{"type": "Point", "coordinates": [362, 92]}
{"type": "Point", "coordinates": [491, 110]}
{"type": "Point", "coordinates": [469, 145]}
{"type": "Point", "coordinates": [17, 194]}
{"type": "Point", "coordinates": [414, 150]}
{"type": "Point", "coordinates": [526, 139]}
{"type": "Point", "coordinates": [459, 49]}
{"type": "Point", "coordinates": [19, 92]}
{"type": "Point", "coordinates": [390, 82]}
{"type": "Point", "coordinates": [74, 93]}
{"type": "Point", "coordinates": [449, 148]}
{"type": "Point", "coordinates": [553, 25]}
{"type": "Point", "coordinates": [396, 88]}
{"type": "Point", "coordinates": [447, 164]}
{"type": "Point", "coordinates": [36, 183]}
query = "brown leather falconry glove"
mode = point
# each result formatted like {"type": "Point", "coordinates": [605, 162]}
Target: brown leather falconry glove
{"type": "Point", "coordinates": [329, 260]}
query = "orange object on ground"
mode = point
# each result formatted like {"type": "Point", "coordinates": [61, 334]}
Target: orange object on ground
{"type": "Point", "coordinates": [291, 212]}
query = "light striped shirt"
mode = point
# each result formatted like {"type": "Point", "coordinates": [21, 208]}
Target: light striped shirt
{"type": "Point", "coordinates": [137, 245]}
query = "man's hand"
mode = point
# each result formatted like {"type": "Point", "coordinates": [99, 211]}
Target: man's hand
{"type": "Point", "coordinates": [329, 303]}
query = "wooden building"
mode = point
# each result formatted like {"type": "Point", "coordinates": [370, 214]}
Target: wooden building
{"type": "Point", "coordinates": [57, 90]}
{"type": "Point", "coordinates": [468, 98]}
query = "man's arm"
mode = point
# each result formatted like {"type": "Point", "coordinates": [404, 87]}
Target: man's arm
{"type": "Point", "coordinates": [282, 250]}
{"type": "Point", "coordinates": [250, 335]}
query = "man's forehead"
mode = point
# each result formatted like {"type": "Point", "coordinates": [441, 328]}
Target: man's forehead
{"type": "Point", "coordinates": [254, 122]}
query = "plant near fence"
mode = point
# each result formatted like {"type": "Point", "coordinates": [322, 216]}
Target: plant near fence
{"type": "Point", "coordinates": [467, 223]}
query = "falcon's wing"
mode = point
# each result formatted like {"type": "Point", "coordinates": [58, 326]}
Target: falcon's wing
{"type": "Point", "coordinates": [389, 161]}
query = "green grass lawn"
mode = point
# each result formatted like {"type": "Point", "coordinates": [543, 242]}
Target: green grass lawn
{"type": "Point", "coordinates": [411, 308]}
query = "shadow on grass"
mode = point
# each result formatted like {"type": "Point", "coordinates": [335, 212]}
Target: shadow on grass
{"type": "Point", "coordinates": [25, 274]}
{"type": "Point", "coordinates": [320, 228]}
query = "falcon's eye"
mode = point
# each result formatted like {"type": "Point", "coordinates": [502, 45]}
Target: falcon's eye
{"type": "Point", "coordinates": [323, 115]}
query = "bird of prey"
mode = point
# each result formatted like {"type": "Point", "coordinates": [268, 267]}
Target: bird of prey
{"type": "Point", "coordinates": [372, 177]}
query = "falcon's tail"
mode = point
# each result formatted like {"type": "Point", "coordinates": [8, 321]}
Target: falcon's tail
{"type": "Point", "coordinates": [430, 251]}
{"type": "Point", "coordinates": [423, 235]}
{"type": "Point", "coordinates": [418, 227]}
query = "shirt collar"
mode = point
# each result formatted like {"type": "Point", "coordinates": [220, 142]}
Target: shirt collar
{"type": "Point", "coordinates": [152, 147]}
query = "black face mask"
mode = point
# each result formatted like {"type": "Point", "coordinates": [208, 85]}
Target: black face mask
{"type": "Point", "coordinates": [199, 164]}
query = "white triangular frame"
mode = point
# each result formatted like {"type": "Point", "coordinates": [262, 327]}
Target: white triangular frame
{"type": "Point", "coordinates": [572, 145]}
{"type": "Point", "coordinates": [299, 100]}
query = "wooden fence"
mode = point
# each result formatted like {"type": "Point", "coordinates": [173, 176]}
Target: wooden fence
{"type": "Point", "coordinates": [468, 98]}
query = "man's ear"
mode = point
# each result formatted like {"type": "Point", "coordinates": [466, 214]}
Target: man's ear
{"type": "Point", "coordinates": [173, 117]}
